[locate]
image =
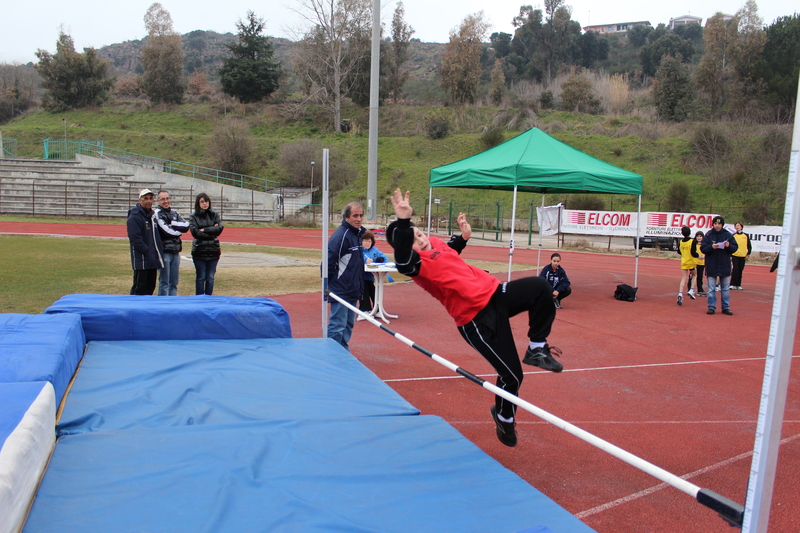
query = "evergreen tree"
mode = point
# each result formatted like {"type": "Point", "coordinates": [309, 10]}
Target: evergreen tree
{"type": "Point", "coordinates": [250, 74]}
{"type": "Point", "coordinates": [781, 65]}
{"type": "Point", "coordinates": [673, 91]}
{"type": "Point", "coordinates": [72, 80]}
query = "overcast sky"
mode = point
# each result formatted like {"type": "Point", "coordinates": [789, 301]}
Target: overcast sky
{"type": "Point", "coordinates": [26, 27]}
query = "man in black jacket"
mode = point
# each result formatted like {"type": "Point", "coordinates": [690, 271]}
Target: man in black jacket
{"type": "Point", "coordinates": [146, 246]}
{"type": "Point", "coordinates": [718, 245]}
{"type": "Point", "coordinates": [170, 225]}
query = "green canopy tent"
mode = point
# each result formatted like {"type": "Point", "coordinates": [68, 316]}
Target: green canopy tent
{"type": "Point", "coordinates": [536, 162]}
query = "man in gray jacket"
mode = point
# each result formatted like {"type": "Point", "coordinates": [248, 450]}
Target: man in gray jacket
{"type": "Point", "coordinates": [146, 246]}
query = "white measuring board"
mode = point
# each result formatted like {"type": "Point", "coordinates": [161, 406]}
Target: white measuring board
{"type": "Point", "coordinates": [779, 356]}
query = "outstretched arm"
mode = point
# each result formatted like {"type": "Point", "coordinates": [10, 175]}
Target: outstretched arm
{"type": "Point", "coordinates": [401, 236]}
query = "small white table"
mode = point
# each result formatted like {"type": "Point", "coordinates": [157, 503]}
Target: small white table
{"type": "Point", "coordinates": [381, 271]}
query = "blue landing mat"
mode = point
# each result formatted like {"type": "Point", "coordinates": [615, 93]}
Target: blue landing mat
{"type": "Point", "coordinates": [379, 474]}
{"type": "Point", "coordinates": [112, 317]}
{"type": "Point", "coordinates": [40, 348]}
{"type": "Point", "coordinates": [129, 384]}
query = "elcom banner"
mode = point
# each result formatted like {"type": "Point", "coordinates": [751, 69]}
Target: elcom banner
{"type": "Point", "coordinates": [617, 223]}
{"type": "Point", "coordinates": [656, 223]}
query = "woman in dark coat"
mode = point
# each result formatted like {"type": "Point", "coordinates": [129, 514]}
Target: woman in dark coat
{"type": "Point", "coordinates": [205, 225]}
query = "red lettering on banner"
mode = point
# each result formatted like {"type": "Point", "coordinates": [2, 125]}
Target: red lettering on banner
{"type": "Point", "coordinates": [592, 218]}
{"type": "Point", "coordinates": [675, 220]}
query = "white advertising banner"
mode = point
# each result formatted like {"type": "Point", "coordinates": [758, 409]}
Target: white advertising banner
{"type": "Point", "coordinates": [765, 239]}
{"type": "Point", "coordinates": [623, 224]}
{"type": "Point", "coordinates": [616, 223]}
{"type": "Point", "coordinates": [660, 224]}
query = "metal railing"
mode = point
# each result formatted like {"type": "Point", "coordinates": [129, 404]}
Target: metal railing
{"type": "Point", "coordinates": [62, 150]}
{"type": "Point", "coordinates": [8, 148]}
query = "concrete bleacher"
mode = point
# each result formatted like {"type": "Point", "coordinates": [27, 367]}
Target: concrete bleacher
{"type": "Point", "coordinates": [99, 188]}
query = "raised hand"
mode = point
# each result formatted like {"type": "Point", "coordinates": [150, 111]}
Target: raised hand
{"type": "Point", "coordinates": [402, 208]}
{"type": "Point", "coordinates": [466, 229]}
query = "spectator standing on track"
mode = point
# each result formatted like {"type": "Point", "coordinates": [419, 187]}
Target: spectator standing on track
{"type": "Point", "coordinates": [206, 226]}
{"type": "Point", "coordinates": [718, 245]}
{"type": "Point", "coordinates": [371, 255]}
{"type": "Point", "coordinates": [346, 272]}
{"type": "Point", "coordinates": [171, 225]}
{"type": "Point", "coordinates": [146, 246]}
{"type": "Point", "coordinates": [740, 256]}
{"type": "Point", "coordinates": [688, 253]}
{"type": "Point", "coordinates": [479, 303]}
{"type": "Point", "coordinates": [556, 276]}
{"type": "Point", "coordinates": [700, 262]}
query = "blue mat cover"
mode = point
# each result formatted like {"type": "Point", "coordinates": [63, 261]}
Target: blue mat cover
{"type": "Point", "coordinates": [173, 383]}
{"type": "Point", "coordinates": [40, 348]}
{"type": "Point", "coordinates": [110, 317]}
{"type": "Point", "coordinates": [379, 474]}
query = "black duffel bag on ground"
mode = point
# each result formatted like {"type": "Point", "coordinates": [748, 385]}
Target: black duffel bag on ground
{"type": "Point", "coordinates": [626, 293]}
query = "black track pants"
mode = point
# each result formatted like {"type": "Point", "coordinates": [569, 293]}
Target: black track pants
{"type": "Point", "coordinates": [490, 331]}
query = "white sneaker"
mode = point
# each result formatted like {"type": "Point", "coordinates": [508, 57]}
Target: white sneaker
{"type": "Point", "coordinates": [740, 288]}
{"type": "Point", "coordinates": [716, 289]}
{"type": "Point", "coordinates": [691, 294]}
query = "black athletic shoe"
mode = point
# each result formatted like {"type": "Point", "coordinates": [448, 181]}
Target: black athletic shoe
{"type": "Point", "coordinates": [556, 303]}
{"type": "Point", "coordinates": [710, 312]}
{"type": "Point", "coordinates": [680, 300]}
{"type": "Point", "coordinates": [727, 312]}
{"type": "Point", "coordinates": [505, 430]}
{"type": "Point", "coordinates": [543, 358]}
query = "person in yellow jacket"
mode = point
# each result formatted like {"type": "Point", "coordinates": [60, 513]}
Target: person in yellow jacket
{"type": "Point", "coordinates": [740, 256]}
{"type": "Point", "coordinates": [700, 262]}
{"type": "Point", "coordinates": [688, 251]}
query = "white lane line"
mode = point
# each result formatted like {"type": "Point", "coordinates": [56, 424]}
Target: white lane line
{"type": "Point", "coordinates": [640, 494]}
{"type": "Point", "coordinates": [595, 369]}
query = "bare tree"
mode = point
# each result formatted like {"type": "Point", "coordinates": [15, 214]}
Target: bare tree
{"type": "Point", "coordinates": [231, 146]}
{"type": "Point", "coordinates": [332, 47]}
{"type": "Point", "coordinates": [162, 58]}
{"type": "Point", "coordinates": [461, 62]}
{"type": "Point", "coordinates": [18, 84]}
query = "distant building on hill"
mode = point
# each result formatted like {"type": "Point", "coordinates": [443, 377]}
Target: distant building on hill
{"type": "Point", "coordinates": [684, 20]}
{"type": "Point", "coordinates": [616, 27]}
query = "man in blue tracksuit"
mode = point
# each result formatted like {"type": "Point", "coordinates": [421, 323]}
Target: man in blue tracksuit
{"type": "Point", "coordinates": [146, 246]}
{"type": "Point", "coordinates": [346, 272]}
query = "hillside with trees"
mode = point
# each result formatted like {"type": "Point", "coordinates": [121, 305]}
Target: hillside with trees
{"type": "Point", "coordinates": [702, 112]}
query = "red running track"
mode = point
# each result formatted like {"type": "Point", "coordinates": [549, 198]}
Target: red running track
{"type": "Point", "coordinates": [675, 386]}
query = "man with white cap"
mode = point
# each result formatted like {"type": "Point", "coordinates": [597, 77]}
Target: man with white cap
{"type": "Point", "coordinates": [146, 246]}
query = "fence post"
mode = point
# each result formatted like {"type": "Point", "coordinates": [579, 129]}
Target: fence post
{"type": "Point", "coordinates": [98, 199]}
{"type": "Point", "coordinates": [33, 198]}
{"type": "Point", "coordinates": [46, 149]}
{"type": "Point", "coordinates": [66, 203]}
{"type": "Point", "coordinates": [252, 205]}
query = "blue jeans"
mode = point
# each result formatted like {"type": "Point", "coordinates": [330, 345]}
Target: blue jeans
{"type": "Point", "coordinates": [169, 275]}
{"type": "Point", "coordinates": [724, 290]}
{"type": "Point", "coordinates": [204, 283]}
{"type": "Point", "coordinates": [340, 327]}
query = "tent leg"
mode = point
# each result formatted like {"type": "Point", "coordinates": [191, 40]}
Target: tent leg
{"type": "Point", "coordinates": [511, 242]}
{"type": "Point", "coordinates": [638, 232]}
